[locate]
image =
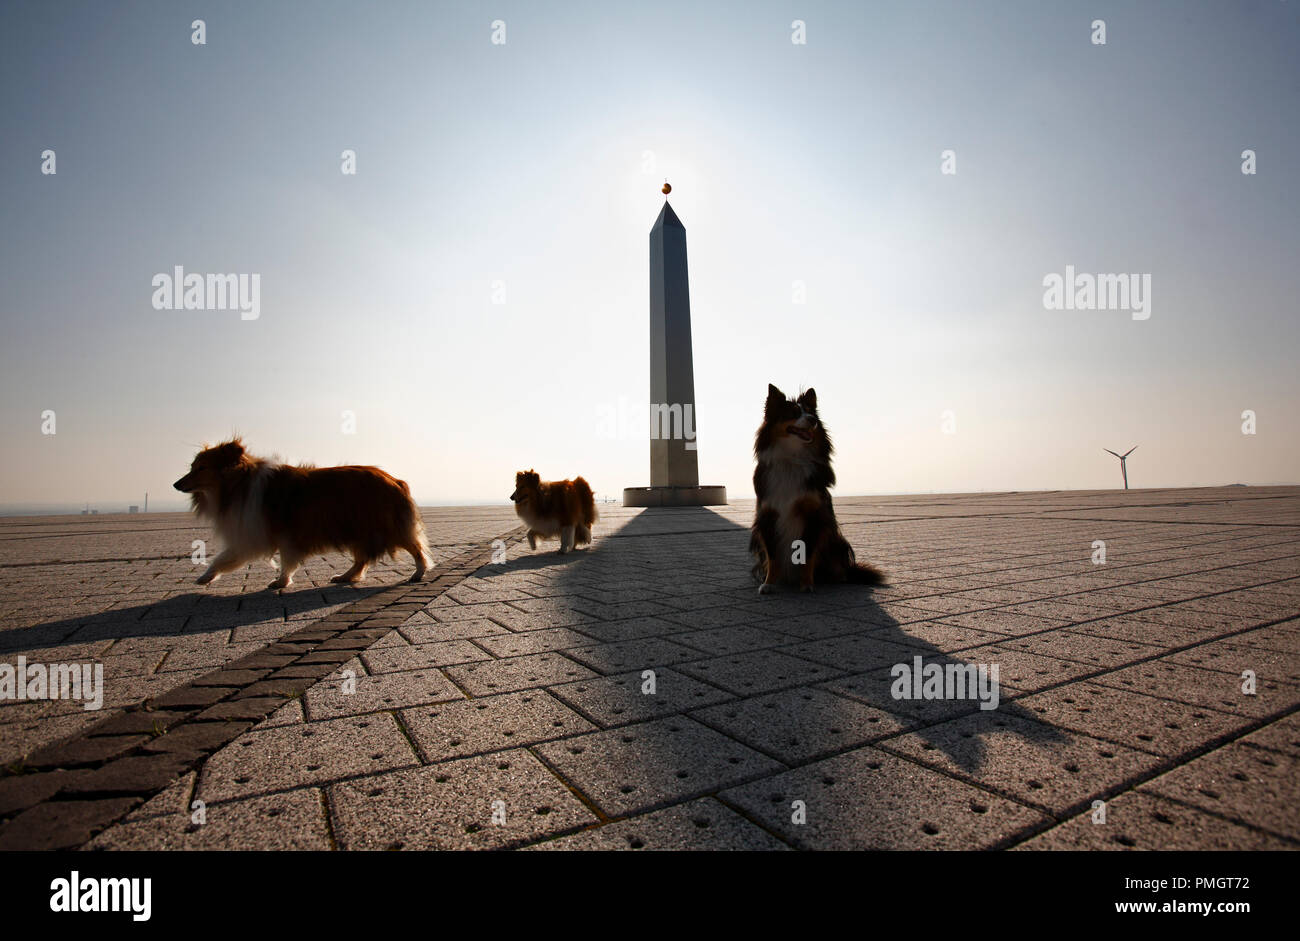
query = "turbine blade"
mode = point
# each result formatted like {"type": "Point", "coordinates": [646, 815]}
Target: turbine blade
{"type": "Point", "coordinates": [1109, 451]}
{"type": "Point", "coordinates": [1130, 450]}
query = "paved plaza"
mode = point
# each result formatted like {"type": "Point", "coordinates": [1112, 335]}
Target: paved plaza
{"type": "Point", "coordinates": [639, 693]}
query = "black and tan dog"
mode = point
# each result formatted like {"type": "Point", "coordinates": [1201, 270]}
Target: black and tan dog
{"type": "Point", "coordinates": [795, 539]}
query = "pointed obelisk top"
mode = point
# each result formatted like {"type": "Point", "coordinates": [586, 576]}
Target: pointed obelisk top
{"type": "Point", "coordinates": [667, 218]}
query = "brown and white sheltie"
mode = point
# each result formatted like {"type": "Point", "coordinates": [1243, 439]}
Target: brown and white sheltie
{"type": "Point", "coordinates": [563, 508]}
{"type": "Point", "coordinates": [259, 506]}
{"type": "Point", "coordinates": [792, 483]}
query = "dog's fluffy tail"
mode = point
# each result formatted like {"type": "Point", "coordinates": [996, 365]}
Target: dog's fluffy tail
{"type": "Point", "coordinates": [586, 501]}
{"type": "Point", "coordinates": [861, 574]}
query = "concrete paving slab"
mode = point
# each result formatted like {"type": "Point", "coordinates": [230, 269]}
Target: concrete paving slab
{"type": "Point", "coordinates": [484, 802]}
{"type": "Point", "coordinates": [1240, 783]}
{"type": "Point", "coordinates": [702, 824]}
{"type": "Point", "coordinates": [490, 723]}
{"type": "Point", "coordinates": [290, 821]}
{"type": "Point", "coordinates": [1146, 723]}
{"type": "Point", "coordinates": [627, 770]}
{"type": "Point", "coordinates": [529, 672]}
{"type": "Point", "coordinates": [799, 725]}
{"type": "Point", "coordinates": [1138, 820]}
{"type": "Point", "coordinates": [282, 758]}
{"type": "Point", "coordinates": [1050, 768]}
{"type": "Point", "coordinates": [869, 800]}
{"type": "Point", "coordinates": [629, 697]}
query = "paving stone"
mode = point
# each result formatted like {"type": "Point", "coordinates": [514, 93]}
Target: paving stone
{"type": "Point", "coordinates": [856, 653]}
{"type": "Point", "coordinates": [83, 751]}
{"type": "Point", "coordinates": [132, 774]}
{"type": "Point", "coordinates": [729, 640]}
{"type": "Point", "coordinates": [799, 725]}
{"type": "Point", "coordinates": [637, 768]}
{"type": "Point", "coordinates": [1159, 726]}
{"type": "Point", "coordinates": [702, 824]}
{"type": "Point", "coordinates": [197, 736]}
{"type": "Point", "coordinates": [190, 696]}
{"type": "Point", "coordinates": [876, 689]}
{"type": "Point", "coordinates": [1241, 783]}
{"type": "Point", "coordinates": [490, 723]}
{"type": "Point", "coordinates": [291, 821]}
{"type": "Point", "coordinates": [869, 800]}
{"type": "Point", "coordinates": [529, 642]}
{"type": "Point", "coordinates": [1141, 821]}
{"type": "Point", "coordinates": [429, 631]}
{"type": "Point", "coordinates": [1054, 769]}
{"type": "Point", "coordinates": [759, 671]}
{"type": "Point", "coordinates": [331, 698]}
{"type": "Point", "coordinates": [422, 656]}
{"type": "Point", "coordinates": [20, 791]}
{"type": "Point", "coordinates": [292, 756]}
{"type": "Point", "coordinates": [62, 824]}
{"type": "Point", "coordinates": [1231, 656]}
{"type": "Point", "coordinates": [1282, 735]}
{"type": "Point", "coordinates": [630, 629]}
{"type": "Point", "coordinates": [1199, 687]}
{"type": "Point", "coordinates": [502, 676]}
{"type": "Point", "coordinates": [1131, 628]}
{"type": "Point", "coordinates": [939, 636]}
{"type": "Point", "coordinates": [624, 698]}
{"type": "Point", "coordinates": [644, 654]}
{"type": "Point", "coordinates": [1096, 652]}
{"type": "Point", "coordinates": [452, 806]}
{"type": "Point", "coordinates": [1024, 671]}
{"type": "Point", "coordinates": [255, 708]}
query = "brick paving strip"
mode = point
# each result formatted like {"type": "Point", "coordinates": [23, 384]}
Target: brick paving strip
{"type": "Point", "coordinates": [63, 794]}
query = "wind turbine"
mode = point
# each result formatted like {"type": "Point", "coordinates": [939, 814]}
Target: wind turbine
{"type": "Point", "coordinates": [1123, 467]}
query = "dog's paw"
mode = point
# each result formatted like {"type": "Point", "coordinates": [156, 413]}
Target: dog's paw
{"type": "Point", "coordinates": [278, 585]}
{"type": "Point", "coordinates": [806, 589]}
{"type": "Point", "coordinates": [342, 580]}
{"type": "Point", "coordinates": [765, 588]}
{"type": "Point", "coordinates": [204, 579]}
{"type": "Point", "coordinates": [417, 577]}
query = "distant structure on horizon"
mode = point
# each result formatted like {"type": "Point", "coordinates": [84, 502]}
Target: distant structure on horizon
{"type": "Point", "coordinates": [674, 467]}
{"type": "Point", "coordinates": [1123, 458]}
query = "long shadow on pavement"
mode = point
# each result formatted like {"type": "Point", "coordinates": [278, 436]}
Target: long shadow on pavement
{"type": "Point", "coordinates": [744, 685]}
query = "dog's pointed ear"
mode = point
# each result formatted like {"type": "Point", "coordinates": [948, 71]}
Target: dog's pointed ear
{"type": "Point", "coordinates": [774, 393]}
{"type": "Point", "coordinates": [809, 400]}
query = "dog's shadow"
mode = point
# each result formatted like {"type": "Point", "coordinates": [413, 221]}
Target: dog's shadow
{"type": "Point", "coordinates": [531, 560]}
{"type": "Point", "coordinates": [195, 612]}
{"type": "Point", "coordinates": [840, 626]}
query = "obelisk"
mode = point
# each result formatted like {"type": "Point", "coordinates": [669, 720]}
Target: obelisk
{"type": "Point", "coordinates": [674, 467]}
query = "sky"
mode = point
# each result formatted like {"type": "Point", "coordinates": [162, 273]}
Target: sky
{"type": "Point", "coordinates": [475, 295]}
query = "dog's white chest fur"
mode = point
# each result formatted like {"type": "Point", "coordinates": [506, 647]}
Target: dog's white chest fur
{"type": "Point", "coordinates": [787, 484]}
{"type": "Point", "coordinates": [547, 526]}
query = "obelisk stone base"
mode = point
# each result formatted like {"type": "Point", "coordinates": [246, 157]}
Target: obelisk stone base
{"type": "Point", "coordinates": [675, 496]}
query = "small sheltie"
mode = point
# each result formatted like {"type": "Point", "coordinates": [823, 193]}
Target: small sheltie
{"type": "Point", "coordinates": [258, 507]}
{"type": "Point", "coordinates": [563, 508]}
{"type": "Point", "coordinates": [792, 483]}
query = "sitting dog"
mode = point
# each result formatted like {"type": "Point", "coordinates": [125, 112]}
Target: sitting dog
{"type": "Point", "coordinates": [258, 507]}
{"type": "Point", "coordinates": [563, 508]}
{"type": "Point", "coordinates": [795, 538]}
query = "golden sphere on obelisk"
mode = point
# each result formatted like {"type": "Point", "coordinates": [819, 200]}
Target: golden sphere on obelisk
{"type": "Point", "coordinates": [667, 188]}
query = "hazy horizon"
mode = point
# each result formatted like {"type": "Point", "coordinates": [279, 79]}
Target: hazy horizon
{"type": "Point", "coordinates": [475, 296]}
